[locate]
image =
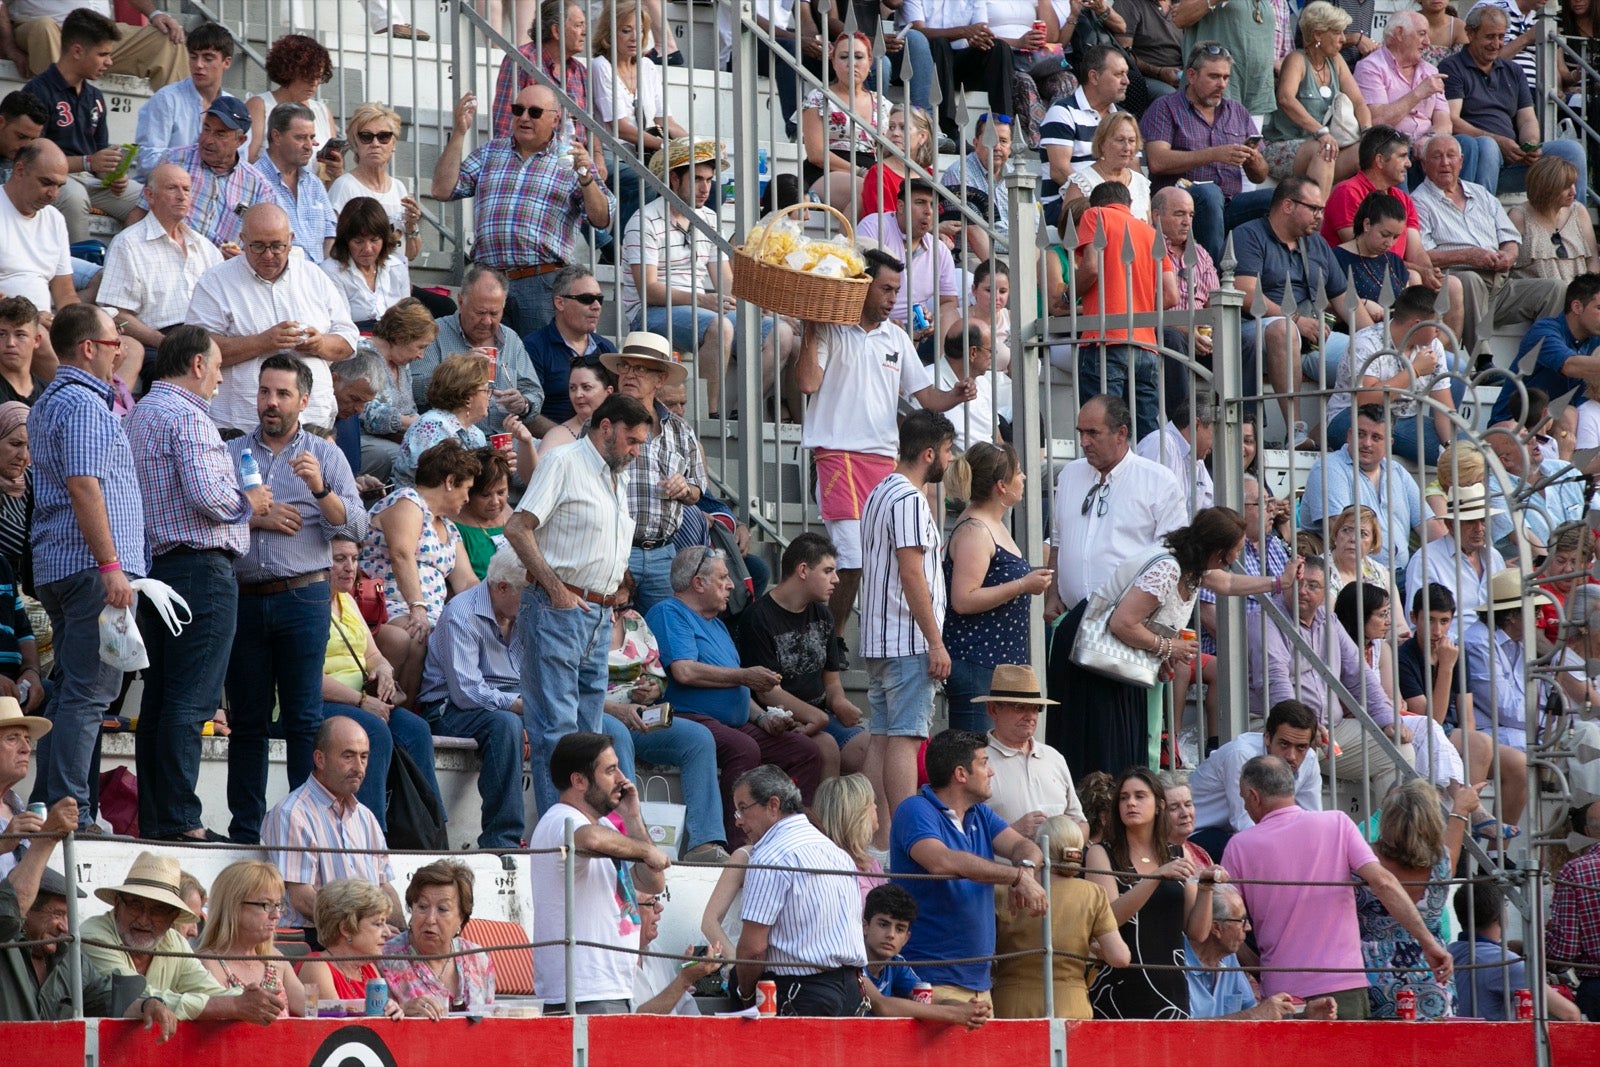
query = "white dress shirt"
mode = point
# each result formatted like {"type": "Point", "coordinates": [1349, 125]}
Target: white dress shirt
{"type": "Point", "coordinates": [1143, 503]}
{"type": "Point", "coordinates": [231, 300]}
{"type": "Point", "coordinates": [152, 275]}
{"type": "Point", "coordinates": [1215, 783]}
{"type": "Point", "coordinates": [585, 530]}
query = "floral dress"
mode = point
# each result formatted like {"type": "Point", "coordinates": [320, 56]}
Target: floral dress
{"type": "Point", "coordinates": [848, 132]}
{"type": "Point", "coordinates": [411, 978]}
{"type": "Point", "coordinates": [436, 557]}
{"type": "Point", "coordinates": [1386, 944]}
{"type": "Point", "coordinates": [427, 431]}
{"type": "Point", "coordinates": [638, 656]}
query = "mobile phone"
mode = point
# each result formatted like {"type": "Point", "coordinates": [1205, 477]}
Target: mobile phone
{"type": "Point", "coordinates": [334, 149]}
{"type": "Point", "coordinates": [1253, 141]}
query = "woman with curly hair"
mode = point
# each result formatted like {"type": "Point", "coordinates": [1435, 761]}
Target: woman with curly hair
{"type": "Point", "coordinates": [298, 66]}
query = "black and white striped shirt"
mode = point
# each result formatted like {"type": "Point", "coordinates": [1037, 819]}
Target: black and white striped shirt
{"type": "Point", "coordinates": [815, 919]}
{"type": "Point", "coordinates": [896, 516]}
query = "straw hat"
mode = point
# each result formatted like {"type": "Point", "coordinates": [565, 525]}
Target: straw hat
{"type": "Point", "coordinates": [1467, 502]}
{"type": "Point", "coordinates": [641, 344]}
{"type": "Point", "coordinates": [154, 878]}
{"type": "Point", "coordinates": [684, 152]}
{"type": "Point", "coordinates": [1505, 592]}
{"type": "Point", "coordinates": [11, 715]}
{"type": "Point", "coordinates": [1013, 684]}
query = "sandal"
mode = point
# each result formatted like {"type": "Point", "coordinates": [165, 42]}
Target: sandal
{"type": "Point", "coordinates": [1491, 831]}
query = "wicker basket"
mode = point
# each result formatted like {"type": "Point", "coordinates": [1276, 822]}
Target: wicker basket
{"type": "Point", "coordinates": [813, 297]}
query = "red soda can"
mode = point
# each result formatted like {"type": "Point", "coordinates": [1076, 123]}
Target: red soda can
{"type": "Point", "coordinates": [922, 992]}
{"type": "Point", "coordinates": [1405, 1005]}
{"type": "Point", "coordinates": [767, 997]}
{"type": "Point", "coordinates": [493, 356]}
{"type": "Point", "coordinates": [1039, 27]}
{"type": "Point", "coordinates": [1524, 1005]}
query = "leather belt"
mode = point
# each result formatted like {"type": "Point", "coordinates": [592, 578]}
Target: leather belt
{"type": "Point", "coordinates": [282, 585]}
{"type": "Point", "coordinates": [519, 273]}
{"type": "Point", "coordinates": [605, 600]}
{"type": "Point", "coordinates": [650, 545]}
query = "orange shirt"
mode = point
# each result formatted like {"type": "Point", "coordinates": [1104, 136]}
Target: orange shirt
{"type": "Point", "coordinates": [1121, 227]}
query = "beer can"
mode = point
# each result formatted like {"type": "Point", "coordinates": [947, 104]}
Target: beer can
{"type": "Point", "coordinates": [1039, 27]}
{"type": "Point", "coordinates": [922, 992]}
{"type": "Point", "coordinates": [377, 996]}
{"type": "Point", "coordinates": [767, 997]}
{"type": "Point", "coordinates": [1524, 1005]}
{"type": "Point", "coordinates": [1405, 1005]}
{"type": "Point", "coordinates": [39, 810]}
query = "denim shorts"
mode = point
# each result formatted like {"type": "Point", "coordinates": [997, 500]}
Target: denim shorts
{"type": "Point", "coordinates": [841, 733]}
{"type": "Point", "coordinates": [900, 694]}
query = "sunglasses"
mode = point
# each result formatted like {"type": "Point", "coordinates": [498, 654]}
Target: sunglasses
{"type": "Point", "coordinates": [381, 136]}
{"type": "Point", "coordinates": [518, 110]}
{"type": "Point", "coordinates": [586, 299]}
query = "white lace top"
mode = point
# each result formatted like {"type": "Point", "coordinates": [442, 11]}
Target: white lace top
{"type": "Point", "coordinates": [1163, 579]}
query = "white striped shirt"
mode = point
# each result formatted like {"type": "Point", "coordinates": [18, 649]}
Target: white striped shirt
{"type": "Point", "coordinates": [585, 530]}
{"type": "Point", "coordinates": [310, 815]}
{"type": "Point", "coordinates": [152, 275]}
{"type": "Point", "coordinates": [896, 516]}
{"type": "Point", "coordinates": [815, 919]}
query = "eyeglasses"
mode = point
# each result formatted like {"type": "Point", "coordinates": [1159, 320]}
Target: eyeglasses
{"type": "Point", "coordinates": [258, 248]}
{"type": "Point", "coordinates": [709, 556]}
{"type": "Point", "coordinates": [104, 344]}
{"type": "Point", "coordinates": [1559, 243]}
{"type": "Point", "coordinates": [1315, 209]}
{"type": "Point", "coordinates": [657, 902]}
{"type": "Point", "coordinates": [586, 299]}
{"type": "Point", "coordinates": [381, 136]}
{"type": "Point", "coordinates": [1101, 490]}
{"type": "Point", "coordinates": [519, 110]}
{"type": "Point", "coordinates": [1213, 49]}
{"type": "Point", "coordinates": [271, 907]}
{"type": "Point", "coordinates": [1241, 922]}
{"type": "Point", "coordinates": [639, 368]}
{"type": "Point", "coordinates": [740, 809]}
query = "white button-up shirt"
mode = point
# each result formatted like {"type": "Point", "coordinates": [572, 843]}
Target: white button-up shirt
{"type": "Point", "coordinates": [153, 275]}
{"type": "Point", "coordinates": [1215, 783]}
{"type": "Point", "coordinates": [231, 300]}
{"type": "Point", "coordinates": [585, 529]}
{"type": "Point", "coordinates": [1035, 778]}
{"type": "Point", "coordinates": [1143, 503]}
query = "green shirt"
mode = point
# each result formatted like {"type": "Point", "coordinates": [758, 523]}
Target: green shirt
{"type": "Point", "coordinates": [182, 982]}
{"type": "Point", "coordinates": [23, 998]}
{"type": "Point", "coordinates": [480, 543]}
{"type": "Point", "coordinates": [1253, 45]}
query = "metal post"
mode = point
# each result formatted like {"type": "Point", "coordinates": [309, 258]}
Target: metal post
{"type": "Point", "coordinates": [463, 77]}
{"type": "Point", "coordinates": [746, 213]}
{"type": "Point", "coordinates": [569, 874]}
{"type": "Point", "coordinates": [1233, 684]}
{"type": "Point", "coordinates": [1537, 979]}
{"type": "Point", "coordinates": [75, 947]}
{"type": "Point", "coordinates": [1023, 188]}
{"type": "Point", "coordinates": [1048, 930]}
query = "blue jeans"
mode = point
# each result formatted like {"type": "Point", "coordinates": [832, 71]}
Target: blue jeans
{"type": "Point", "coordinates": [278, 649]}
{"type": "Point", "coordinates": [563, 678]}
{"type": "Point", "coordinates": [405, 729]}
{"type": "Point", "coordinates": [182, 687]}
{"type": "Point", "coordinates": [921, 59]}
{"type": "Point", "coordinates": [689, 747]}
{"type": "Point", "coordinates": [531, 303]}
{"type": "Point", "coordinates": [1213, 218]}
{"type": "Point", "coordinates": [650, 568]}
{"type": "Point", "coordinates": [967, 680]}
{"type": "Point", "coordinates": [86, 686]}
{"type": "Point", "coordinates": [1143, 394]}
{"type": "Point", "coordinates": [499, 737]}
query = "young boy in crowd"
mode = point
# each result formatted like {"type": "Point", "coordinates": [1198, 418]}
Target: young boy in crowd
{"type": "Point", "coordinates": [887, 917]}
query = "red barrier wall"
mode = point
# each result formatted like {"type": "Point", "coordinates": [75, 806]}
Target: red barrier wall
{"type": "Point", "coordinates": [42, 1044]}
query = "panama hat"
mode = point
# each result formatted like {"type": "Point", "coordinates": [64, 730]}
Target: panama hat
{"type": "Point", "coordinates": [642, 344]}
{"type": "Point", "coordinates": [1467, 502]}
{"type": "Point", "coordinates": [1505, 592]}
{"type": "Point", "coordinates": [152, 877]}
{"type": "Point", "coordinates": [11, 715]}
{"type": "Point", "coordinates": [1013, 684]}
{"type": "Point", "coordinates": [684, 152]}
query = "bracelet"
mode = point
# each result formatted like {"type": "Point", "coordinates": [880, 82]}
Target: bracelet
{"type": "Point", "coordinates": [1018, 879]}
{"type": "Point", "coordinates": [423, 604]}
{"type": "Point", "coordinates": [114, 565]}
{"type": "Point", "coordinates": [326, 489]}
{"type": "Point", "coordinates": [1277, 584]}
{"type": "Point", "coordinates": [1464, 820]}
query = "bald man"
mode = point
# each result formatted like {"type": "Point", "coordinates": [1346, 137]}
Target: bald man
{"type": "Point", "coordinates": [534, 192]}
{"type": "Point", "coordinates": [35, 259]}
{"type": "Point", "coordinates": [264, 302]}
{"type": "Point", "coordinates": [153, 265]}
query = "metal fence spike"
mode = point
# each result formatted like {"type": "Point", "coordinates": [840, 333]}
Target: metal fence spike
{"type": "Point", "coordinates": [1100, 241]}
{"type": "Point", "coordinates": [1530, 361]}
{"type": "Point", "coordinates": [935, 94]}
{"type": "Point", "coordinates": [1126, 253]}
{"type": "Point", "coordinates": [851, 23]}
{"type": "Point", "coordinates": [1229, 262]}
{"type": "Point", "coordinates": [1158, 248]}
{"type": "Point", "coordinates": [1560, 404]}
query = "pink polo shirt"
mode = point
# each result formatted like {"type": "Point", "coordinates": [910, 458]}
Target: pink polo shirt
{"type": "Point", "coordinates": [1308, 926]}
{"type": "Point", "coordinates": [1381, 82]}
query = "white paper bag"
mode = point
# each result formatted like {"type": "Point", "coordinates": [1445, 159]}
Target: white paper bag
{"type": "Point", "coordinates": [663, 820]}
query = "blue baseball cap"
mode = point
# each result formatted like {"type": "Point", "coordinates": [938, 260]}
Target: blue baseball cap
{"type": "Point", "coordinates": [233, 113]}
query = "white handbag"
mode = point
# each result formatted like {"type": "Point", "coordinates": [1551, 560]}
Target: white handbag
{"type": "Point", "coordinates": [1097, 649]}
{"type": "Point", "coordinates": [664, 820]}
{"type": "Point", "coordinates": [1342, 122]}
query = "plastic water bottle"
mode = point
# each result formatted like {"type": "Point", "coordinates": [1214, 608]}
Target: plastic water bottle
{"type": "Point", "coordinates": [763, 172]}
{"type": "Point", "coordinates": [249, 470]}
{"type": "Point", "coordinates": [377, 996]}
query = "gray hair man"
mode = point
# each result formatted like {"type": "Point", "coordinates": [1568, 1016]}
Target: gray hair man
{"type": "Point", "coordinates": [569, 338]}
{"type": "Point", "coordinates": [1401, 88]}
{"type": "Point", "coordinates": [478, 327]}
{"type": "Point", "coordinates": [802, 929]}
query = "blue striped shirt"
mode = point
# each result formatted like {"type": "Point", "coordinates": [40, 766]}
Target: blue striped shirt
{"type": "Point", "coordinates": [310, 815]}
{"type": "Point", "coordinates": [311, 214]}
{"type": "Point", "coordinates": [186, 473]}
{"type": "Point", "coordinates": [815, 919]}
{"type": "Point", "coordinates": [274, 555]}
{"type": "Point", "coordinates": [74, 434]}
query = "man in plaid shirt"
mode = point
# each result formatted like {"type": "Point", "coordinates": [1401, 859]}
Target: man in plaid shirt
{"type": "Point", "coordinates": [1572, 933]}
{"type": "Point", "coordinates": [534, 191]}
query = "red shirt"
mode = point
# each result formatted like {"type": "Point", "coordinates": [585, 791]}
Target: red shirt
{"type": "Point", "coordinates": [1346, 198]}
{"type": "Point", "coordinates": [880, 191]}
{"type": "Point", "coordinates": [1120, 226]}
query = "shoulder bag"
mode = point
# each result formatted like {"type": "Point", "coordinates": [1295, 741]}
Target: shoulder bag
{"type": "Point", "coordinates": [1097, 649]}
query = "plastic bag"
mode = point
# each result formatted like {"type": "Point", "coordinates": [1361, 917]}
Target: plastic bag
{"type": "Point", "coordinates": [121, 646]}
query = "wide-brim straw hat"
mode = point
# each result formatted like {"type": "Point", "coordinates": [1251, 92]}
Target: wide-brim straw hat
{"type": "Point", "coordinates": [152, 877]}
{"type": "Point", "coordinates": [1505, 592]}
{"type": "Point", "coordinates": [1467, 502]}
{"type": "Point", "coordinates": [684, 152]}
{"type": "Point", "coordinates": [1014, 684]}
{"type": "Point", "coordinates": [642, 344]}
{"type": "Point", "coordinates": [11, 715]}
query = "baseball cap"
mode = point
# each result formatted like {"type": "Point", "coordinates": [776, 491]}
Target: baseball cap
{"type": "Point", "coordinates": [231, 110]}
{"type": "Point", "coordinates": [52, 884]}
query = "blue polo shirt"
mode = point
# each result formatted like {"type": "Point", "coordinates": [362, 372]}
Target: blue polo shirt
{"type": "Point", "coordinates": [1486, 98]}
{"type": "Point", "coordinates": [1213, 994]}
{"type": "Point", "coordinates": [895, 981]}
{"type": "Point", "coordinates": [77, 122]}
{"type": "Point", "coordinates": [1557, 344]}
{"type": "Point", "coordinates": [955, 917]}
{"type": "Point", "coordinates": [552, 358]}
{"type": "Point", "coordinates": [683, 634]}
{"type": "Point", "coordinates": [1483, 995]}
{"type": "Point", "coordinates": [1276, 267]}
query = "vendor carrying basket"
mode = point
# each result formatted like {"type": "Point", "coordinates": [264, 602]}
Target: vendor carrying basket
{"type": "Point", "coordinates": [812, 297]}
